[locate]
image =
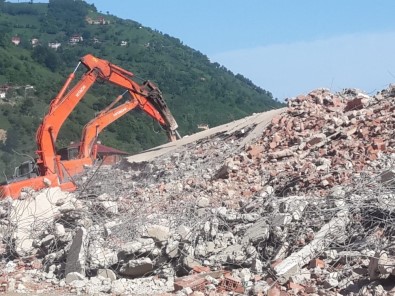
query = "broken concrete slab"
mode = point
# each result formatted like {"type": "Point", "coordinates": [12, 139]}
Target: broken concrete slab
{"type": "Point", "coordinates": [230, 128]}
{"type": "Point", "coordinates": [137, 267]}
{"type": "Point", "coordinates": [100, 256]}
{"type": "Point", "coordinates": [388, 177]}
{"type": "Point", "coordinates": [334, 228]}
{"type": "Point", "coordinates": [185, 232]}
{"type": "Point", "coordinates": [76, 257]}
{"type": "Point", "coordinates": [381, 264]}
{"type": "Point", "coordinates": [138, 246]}
{"type": "Point", "coordinates": [158, 232]}
{"type": "Point", "coordinates": [258, 232]}
{"type": "Point", "coordinates": [31, 215]}
{"type": "Point", "coordinates": [109, 207]}
{"type": "Point", "coordinates": [73, 276]}
{"type": "Point", "coordinates": [107, 274]}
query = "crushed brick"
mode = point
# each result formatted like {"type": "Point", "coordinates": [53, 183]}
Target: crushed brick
{"type": "Point", "coordinates": [317, 263]}
{"type": "Point", "coordinates": [345, 128]}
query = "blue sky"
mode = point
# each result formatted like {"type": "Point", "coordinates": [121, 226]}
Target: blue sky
{"type": "Point", "coordinates": [285, 46]}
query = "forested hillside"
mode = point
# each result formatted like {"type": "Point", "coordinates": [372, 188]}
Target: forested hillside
{"type": "Point", "coordinates": [40, 44]}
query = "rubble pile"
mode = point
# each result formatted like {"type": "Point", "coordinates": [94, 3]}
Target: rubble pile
{"type": "Point", "coordinates": [305, 208]}
{"type": "Point", "coordinates": [325, 139]}
{"type": "Point", "coordinates": [295, 243]}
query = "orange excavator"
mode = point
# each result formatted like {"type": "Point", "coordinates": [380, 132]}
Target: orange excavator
{"type": "Point", "coordinates": [87, 149]}
{"type": "Point", "coordinates": [48, 170]}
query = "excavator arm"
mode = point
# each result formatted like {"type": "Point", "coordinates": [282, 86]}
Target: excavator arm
{"type": "Point", "coordinates": [94, 127]}
{"type": "Point", "coordinates": [88, 148]}
{"type": "Point", "coordinates": [110, 114]}
{"type": "Point", "coordinates": [48, 130]}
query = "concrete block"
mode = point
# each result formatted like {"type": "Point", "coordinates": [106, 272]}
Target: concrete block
{"type": "Point", "coordinates": [259, 231]}
{"type": "Point", "coordinates": [281, 220]}
{"type": "Point", "coordinates": [76, 257]}
{"type": "Point", "coordinates": [73, 276]}
{"type": "Point", "coordinates": [137, 268]}
{"type": "Point", "coordinates": [203, 202]}
{"type": "Point", "coordinates": [107, 273]}
{"type": "Point", "coordinates": [158, 232]}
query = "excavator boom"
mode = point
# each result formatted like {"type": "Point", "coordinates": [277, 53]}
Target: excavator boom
{"type": "Point", "coordinates": [48, 130]}
{"type": "Point", "coordinates": [93, 128]}
{"type": "Point", "coordinates": [88, 148]}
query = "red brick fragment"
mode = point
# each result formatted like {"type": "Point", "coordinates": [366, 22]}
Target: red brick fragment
{"type": "Point", "coordinates": [200, 269]}
{"type": "Point", "coordinates": [274, 291]}
{"type": "Point", "coordinates": [310, 290]}
{"type": "Point", "coordinates": [195, 282]}
{"type": "Point", "coordinates": [295, 287]}
{"type": "Point", "coordinates": [379, 144]}
{"type": "Point", "coordinates": [355, 104]}
{"type": "Point", "coordinates": [255, 151]}
{"type": "Point", "coordinates": [316, 140]}
{"type": "Point", "coordinates": [231, 284]}
{"type": "Point", "coordinates": [277, 138]}
{"type": "Point", "coordinates": [246, 193]}
{"type": "Point", "coordinates": [275, 263]}
{"type": "Point", "coordinates": [276, 119]}
{"type": "Point", "coordinates": [317, 263]}
{"type": "Point", "coordinates": [337, 102]}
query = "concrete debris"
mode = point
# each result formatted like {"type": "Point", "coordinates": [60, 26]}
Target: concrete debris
{"type": "Point", "coordinates": [381, 264]}
{"type": "Point", "coordinates": [76, 257]}
{"type": "Point", "coordinates": [301, 204]}
{"type": "Point", "coordinates": [158, 232]}
{"type": "Point", "coordinates": [73, 276]}
{"type": "Point", "coordinates": [328, 234]}
{"type": "Point", "coordinates": [324, 139]}
{"type": "Point", "coordinates": [258, 232]}
{"type": "Point", "coordinates": [107, 274]}
{"type": "Point", "coordinates": [137, 267]}
{"type": "Point", "coordinates": [25, 215]}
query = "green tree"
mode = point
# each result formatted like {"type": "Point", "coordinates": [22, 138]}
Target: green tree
{"type": "Point", "coordinates": [26, 106]}
{"type": "Point", "coordinates": [69, 15]}
{"type": "Point", "coordinates": [12, 141]}
{"type": "Point", "coordinates": [46, 57]}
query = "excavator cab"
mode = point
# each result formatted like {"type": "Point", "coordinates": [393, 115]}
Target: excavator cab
{"type": "Point", "coordinates": [68, 153]}
{"type": "Point", "coordinates": [26, 170]}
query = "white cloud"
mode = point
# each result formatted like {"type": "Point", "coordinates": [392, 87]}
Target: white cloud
{"type": "Point", "coordinates": [364, 61]}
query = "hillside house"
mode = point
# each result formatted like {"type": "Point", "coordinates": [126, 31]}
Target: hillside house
{"type": "Point", "coordinates": [16, 40]}
{"type": "Point", "coordinates": [99, 21]}
{"type": "Point", "coordinates": [102, 20]}
{"type": "Point", "coordinates": [34, 42]}
{"type": "Point", "coordinates": [3, 135]}
{"type": "Point", "coordinates": [54, 45]}
{"type": "Point", "coordinates": [203, 126]}
{"type": "Point", "coordinates": [124, 43]}
{"type": "Point", "coordinates": [3, 91]}
{"type": "Point", "coordinates": [106, 154]}
{"type": "Point", "coordinates": [76, 39]}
